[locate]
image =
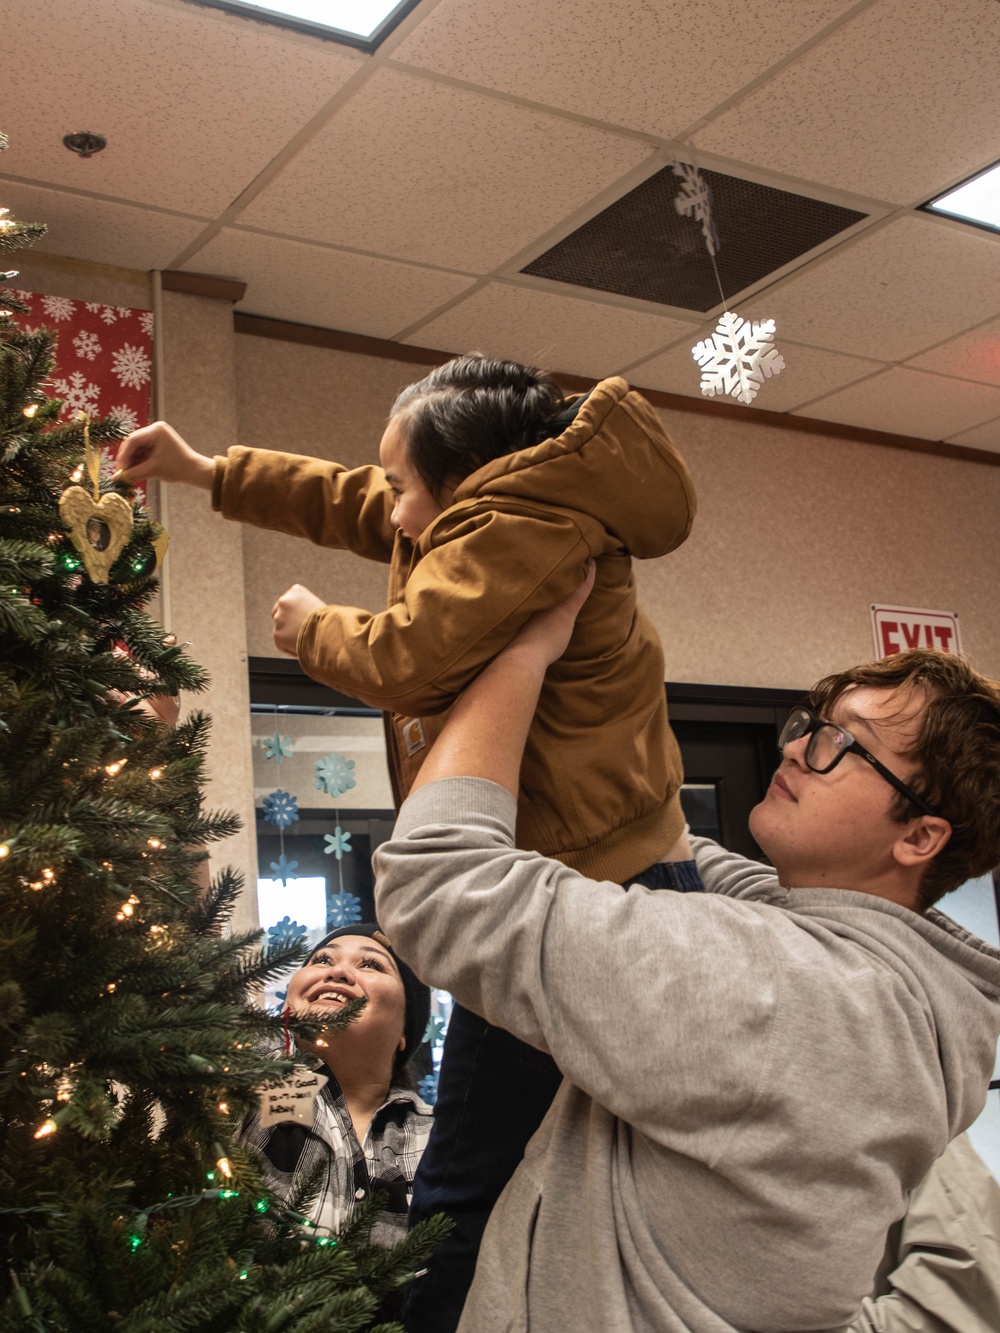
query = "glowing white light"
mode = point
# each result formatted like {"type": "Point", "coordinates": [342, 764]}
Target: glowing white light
{"type": "Point", "coordinates": [977, 200]}
{"type": "Point", "coordinates": [360, 17]}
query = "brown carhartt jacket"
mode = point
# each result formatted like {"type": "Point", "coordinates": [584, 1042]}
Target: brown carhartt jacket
{"type": "Point", "coordinates": [602, 769]}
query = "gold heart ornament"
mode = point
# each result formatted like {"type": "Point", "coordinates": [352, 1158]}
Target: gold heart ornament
{"type": "Point", "coordinates": [98, 529]}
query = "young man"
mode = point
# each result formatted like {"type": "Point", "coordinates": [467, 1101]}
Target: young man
{"type": "Point", "coordinates": [756, 1077]}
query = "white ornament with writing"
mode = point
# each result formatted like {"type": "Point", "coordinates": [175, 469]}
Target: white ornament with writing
{"type": "Point", "coordinates": [738, 357]}
{"type": "Point", "coordinates": [294, 1098]}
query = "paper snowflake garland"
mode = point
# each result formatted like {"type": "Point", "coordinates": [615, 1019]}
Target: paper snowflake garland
{"type": "Point", "coordinates": [337, 843]}
{"type": "Point", "coordinates": [280, 808]}
{"type": "Point", "coordinates": [428, 1088]}
{"type": "Point", "coordinates": [286, 933]}
{"type": "Point", "coordinates": [434, 1033]}
{"type": "Point", "coordinates": [695, 201]}
{"type": "Point", "coordinates": [738, 357]}
{"type": "Point", "coordinates": [277, 747]}
{"type": "Point", "coordinates": [284, 869]}
{"type": "Point", "coordinates": [335, 774]}
{"type": "Point", "coordinates": [343, 909]}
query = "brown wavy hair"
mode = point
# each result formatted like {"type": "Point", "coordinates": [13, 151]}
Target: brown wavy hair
{"type": "Point", "coordinates": [957, 753]}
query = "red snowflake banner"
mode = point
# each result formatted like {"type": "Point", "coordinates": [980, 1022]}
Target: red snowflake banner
{"type": "Point", "coordinates": [104, 357]}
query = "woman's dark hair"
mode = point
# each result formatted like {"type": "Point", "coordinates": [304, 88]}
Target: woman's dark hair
{"type": "Point", "coordinates": [471, 410]}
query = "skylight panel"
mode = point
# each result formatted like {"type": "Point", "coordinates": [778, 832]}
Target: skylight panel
{"type": "Point", "coordinates": [976, 200]}
{"type": "Point", "coordinates": [362, 23]}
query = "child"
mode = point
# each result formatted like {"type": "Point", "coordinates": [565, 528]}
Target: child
{"type": "Point", "coordinates": [493, 495]}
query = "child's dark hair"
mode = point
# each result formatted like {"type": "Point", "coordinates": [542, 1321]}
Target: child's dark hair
{"type": "Point", "coordinates": [471, 410]}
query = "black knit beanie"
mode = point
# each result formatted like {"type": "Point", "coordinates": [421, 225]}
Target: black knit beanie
{"type": "Point", "coordinates": [417, 995]}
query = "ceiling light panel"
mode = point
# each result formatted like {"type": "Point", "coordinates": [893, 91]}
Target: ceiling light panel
{"type": "Point", "coordinates": [362, 23]}
{"type": "Point", "coordinates": [976, 200]}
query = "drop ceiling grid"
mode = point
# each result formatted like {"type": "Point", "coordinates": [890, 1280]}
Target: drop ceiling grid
{"type": "Point", "coordinates": [186, 132]}
{"type": "Point", "coordinates": [986, 436]}
{"type": "Point", "coordinates": [974, 355]}
{"type": "Point", "coordinates": [891, 104]}
{"type": "Point", "coordinates": [911, 402]}
{"type": "Point", "coordinates": [891, 293]}
{"type": "Point", "coordinates": [558, 332]}
{"type": "Point", "coordinates": [642, 66]}
{"type": "Point", "coordinates": [425, 171]}
{"type": "Point", "coordinates": [101, 230]}
{"type": "Point", "coordinates": [325, 287]}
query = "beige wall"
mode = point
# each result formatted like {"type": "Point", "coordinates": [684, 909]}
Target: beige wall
{"type": "Point", "coordinates": [796, 534]}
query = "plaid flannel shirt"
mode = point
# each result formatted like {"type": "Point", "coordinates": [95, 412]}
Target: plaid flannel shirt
{"type": "Point", "coordinates": [385, 1162]}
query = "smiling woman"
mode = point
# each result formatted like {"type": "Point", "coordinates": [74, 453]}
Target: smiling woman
{"type": "Point", "coordinates": [365, 1130]}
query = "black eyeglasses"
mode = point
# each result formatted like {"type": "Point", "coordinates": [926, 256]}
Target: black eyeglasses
{"type": "Point", "coordinates": [828, 744]}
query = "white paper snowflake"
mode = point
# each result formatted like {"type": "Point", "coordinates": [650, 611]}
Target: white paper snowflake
{"type": "Point", "coordinates": [78, 394]}
{"type": "Point", "coordinates": [132, 366]}
{"type": "Point", "coordinates": [146, 323]}
{"type": "Point", "coordinates": [695, 201]}
{"type": "Point", "coordinates": [58, 307]}
{"type": "Point", "coordinates": [109, 314]}
{"type": "Point", "coordinates": [738, 357]}
{"type": "Point", "coordinates": [126, 418]}
{"type": "Point", "coordinates": [87, 345]}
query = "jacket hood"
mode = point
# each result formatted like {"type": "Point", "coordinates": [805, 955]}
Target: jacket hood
{"type": "Point", "coordinates": [613, 463]}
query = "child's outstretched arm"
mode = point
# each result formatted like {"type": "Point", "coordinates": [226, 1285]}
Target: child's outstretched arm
{"type": "Point", "coordinates": [158, 451]}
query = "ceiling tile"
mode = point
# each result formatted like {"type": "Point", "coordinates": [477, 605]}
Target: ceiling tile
{"type": "Point", "coordinates": [971, 356]}
{"type": "Point", "coordinates": [892, 292]}
{"type": "Point", "coordinates": [911, 402]}
{"type": "Point", "coordinates": [425, 171]}
{"type": "Point", "coordinates": [891, 105]}
{"type": "Point", "coordinates": [807, 373]}
{"type": "Point", "coordinates": [654, 65]}
{"type": "Point", "coordinates": [986, 436]}
{"type": "Point", "coordinates": [540, 328]}
{"type": "Point", "coordinates": [103, 232]}
{"type": "Point", "coordinates": [194, 103]}
{"type": "Point", "coordinates": [311, 284]}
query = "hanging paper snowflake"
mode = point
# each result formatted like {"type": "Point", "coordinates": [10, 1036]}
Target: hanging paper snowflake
{"type": "Point", "coordinates": [277, 747]}
{"type": "Point", "coordinates": [280, 808]}
{"type": "Point", "coordinates": [695, 201]}
{"type": "Point", "coordinates": [435, 1031]}
{"type": "Point", "coordinates": [428, 1088]}
{"type": "Point", "coordinates": [342, 909]}
{"type": "Point", "coordinates": [285, 933]}
{"type": "Point", "coordinates": [738, 357]}
{"type": "Point", "coordinates": [284, 869]}
{"type": "Point", "coordinates": [335, 774]}
{"type": "Point", "coordinates": [337, 843]}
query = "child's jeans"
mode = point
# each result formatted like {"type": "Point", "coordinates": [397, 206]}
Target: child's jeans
{"type": "Point", "coordinates": [493, 1093]}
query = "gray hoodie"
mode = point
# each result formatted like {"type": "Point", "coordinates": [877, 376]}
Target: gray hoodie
{"type": "Point", "coordinates": [755, 1077]}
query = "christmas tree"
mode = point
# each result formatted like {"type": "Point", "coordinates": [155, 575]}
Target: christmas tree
{"type": "Point", "coordinates": [129, 1047]}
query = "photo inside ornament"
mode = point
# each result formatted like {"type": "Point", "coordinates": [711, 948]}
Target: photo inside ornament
{"type": "Point", "coordinates": [98, 534]}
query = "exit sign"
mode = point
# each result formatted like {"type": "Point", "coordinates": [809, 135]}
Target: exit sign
{"type": "Point", "coordinates": [899, 628]}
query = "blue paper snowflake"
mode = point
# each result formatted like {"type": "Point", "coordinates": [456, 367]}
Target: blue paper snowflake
{"type": "Point", "coordinates": [285, 932]}
{"type": "Point", "coordinates": [436, 1028]}
{"type": "Point", "coordinates": [277, 747]}
{"type": "Point", "coordinates": [335, 774]}
{"type": "Point", "coordinates": [284, 869]}
{"type": "Point", "coordinates": [428, 1088]}
{"type": "Point", "coordinates": [342, 909]}
{"type": "Point", "coordinates": [337, 843]}
{"type": "Point", "coordinates": [280, 808]}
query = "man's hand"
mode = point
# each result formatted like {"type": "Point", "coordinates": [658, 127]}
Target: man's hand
{"type": "Point", "coordinates": [158, 451]}
{"type": "Point", "coordinates": [288, 613]}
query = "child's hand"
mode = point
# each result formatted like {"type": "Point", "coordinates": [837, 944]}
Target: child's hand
{"type": "Point", "coordinates": [288, 613]}
{"type": "Point", "coordinates": [158, 451]}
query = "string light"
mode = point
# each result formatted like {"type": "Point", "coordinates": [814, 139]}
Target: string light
{"type": "Point", "coordinates": [77, 473]}
{"type": "Point", "coordinates": [156, 774]}
{"type": "Point", "coordinates": [154, 843]}
{"type": "Point", "coordinates": [116, 767]}
{"type": "Point", "coordinates": [50, 1126]}
{"type": "Point", "coordinates": [223, 1165]}
{"type": "Point", "coordinates": [30, 410]}
{"type": "Point", "coordinates": [48, 876]}
{"type": "Point", "coordinates": [224, 1107]}
{"type": "Point", "coordinates": [4, 850]}
{"type": "Point", "coordinates": [110, 987]}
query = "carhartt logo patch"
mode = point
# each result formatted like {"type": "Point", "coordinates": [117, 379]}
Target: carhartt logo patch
{"type": "Point", "coordinates": [413, 737]}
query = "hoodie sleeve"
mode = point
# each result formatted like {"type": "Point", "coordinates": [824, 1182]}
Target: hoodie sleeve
{"type": "Point", "coordinates": [464, 600]}
{"type": "Point", "coordinates": [330, 505]}
{"type": "Point", "coordinates": [589, 972]}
